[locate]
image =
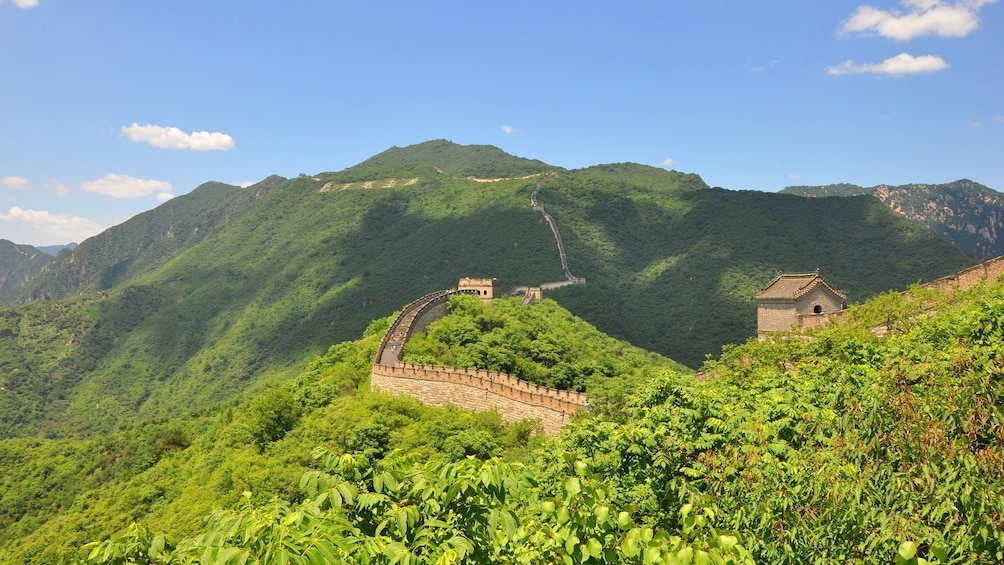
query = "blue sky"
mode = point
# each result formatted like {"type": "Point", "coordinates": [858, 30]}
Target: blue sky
{"type": "Point", "coordinates": [109, 108]}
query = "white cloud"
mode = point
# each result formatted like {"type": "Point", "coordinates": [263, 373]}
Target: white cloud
{"type": "Point", "coordinates": [125, 186]}
{"type": "Point", "coordinates": [59, 188]}
{"type": "Point", "coordinates": [164, 196]}
{"type": "Point", "coordinates": [899, 65]}
{"type": "Point", "coordinates": [25, 4]}
{"type": "Point", "coordinates": [974, 123]}
{"type": "Point", "coordinates": [245, 184]}
{"type": "Point", "coordinates": [174, 138]}
{"type": "Point", "coordinates": [15, 183]}
{"type": "Point", "coordinates": [666, 163]}
{"type": "Point", "coordinates": [42, 228]}
{"type": "Point", "coordinates": [509, 129]}
{"type": "Point", "coordinates": [921, 17]}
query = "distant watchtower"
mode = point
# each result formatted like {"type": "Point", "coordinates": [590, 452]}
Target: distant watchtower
{"type": "Point", "coordinates": [798, 300]}
{"type": "Point", "coordinates": [486, 289]}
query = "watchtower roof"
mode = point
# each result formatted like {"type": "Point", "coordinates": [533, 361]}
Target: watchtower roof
{"type": "Point", "coordinates": [794, 286]}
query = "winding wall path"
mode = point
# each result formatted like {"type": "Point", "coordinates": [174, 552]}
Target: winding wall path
{"type": "Point", "coordinates": [569, 277]}
{"type": "Point", "coordinates": [470, 389]}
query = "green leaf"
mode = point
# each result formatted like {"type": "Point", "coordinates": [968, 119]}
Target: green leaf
{"type": "Point", "coordinates": [624, 521]}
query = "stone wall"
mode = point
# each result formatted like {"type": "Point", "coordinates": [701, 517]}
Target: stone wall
{"type": "Point", "coordinates": [469, 389]}
{"type": "Point", "coordinates": [988, 271]}
{"type": "Point", "coordinates": [480, 391]}
{"type": "Point", "coordinates": [775, 316]}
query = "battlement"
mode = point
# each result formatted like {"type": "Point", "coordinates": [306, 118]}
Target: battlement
{"type": "Point", "coordinates": [471, 389]}
{"type": "Point", "coordinates": [486, 289]}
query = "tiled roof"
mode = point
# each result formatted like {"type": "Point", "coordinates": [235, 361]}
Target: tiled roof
{"type": "Point", "coordinates": [790, 287]}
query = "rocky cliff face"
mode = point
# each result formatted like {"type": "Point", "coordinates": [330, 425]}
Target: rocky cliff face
{"type": "Point", "coordinates": [966, 213]}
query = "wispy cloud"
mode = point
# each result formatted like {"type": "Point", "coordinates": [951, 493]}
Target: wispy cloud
{"type": "Point", "coordinates": [58, 188]}
{"type": "Point", "coordinates": [43, 228]}
{"type": "Point", "coordinates": [920, 18]}
{"type": "Point", "coordinates": [15, 183]}
{"type": "Point", "coordinates": [174, 138]}
{"type": "Point", "coordinates": [974, 123]}
{"type": "Point", "coordinates": [509, 129]}
{"type": "Point", "coordinates": [25, 4]}
{"type": "Point", "coordinates": [902, 64]}
{"type": "Point", "coordinates": [666, 163]}
{"type": "Point", "coordinates": [125, 186]}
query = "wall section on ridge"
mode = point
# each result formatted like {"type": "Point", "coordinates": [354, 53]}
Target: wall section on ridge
{"type": "Point", "coordinates": [480, 391]}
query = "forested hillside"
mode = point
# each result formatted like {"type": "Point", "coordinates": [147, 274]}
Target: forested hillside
{"type": "Point", "coordinates": [840, 446]}
{"type": "Point", "coordinates": [220, 291]}
{"type": "Point", "coordinates": [673, 266]}
{"type": "Point", "coordinates": [19, 264]}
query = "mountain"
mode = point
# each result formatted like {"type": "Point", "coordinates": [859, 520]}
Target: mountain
{"type": "Point", "coordinates": [966, 213]}
{"type": "Point", "coordinates": [226, 289]}
{"type": "Point", "coordinates": [19, 264]}
{"type": "Point", "coordinates": [145, 241]}
{"type": "Point", "coordinates": [55, 249]}
{"type": "Point", "coordinates": [479, 161]}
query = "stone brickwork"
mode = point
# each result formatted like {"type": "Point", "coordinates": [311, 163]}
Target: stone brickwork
{"type": "Point", "coordinates": [469, 389]}
{"type": "Point", "coordinates": [789, 300]}
{"type": "Point", "coordinates": [480, 391]}
{"type": "Point", "coordinates": [988, 271]}
{"type": "Point", "coordinates": [487, 289]}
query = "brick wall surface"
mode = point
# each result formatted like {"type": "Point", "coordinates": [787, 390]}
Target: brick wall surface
{"type": "Point", "coordinates": [469, 389]}
{"type": "Point", "coordinates": [480, 391]}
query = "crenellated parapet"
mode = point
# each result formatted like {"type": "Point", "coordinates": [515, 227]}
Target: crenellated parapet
{"type": "Point", "coordinates": [470, 389]}
{"type": "Point", "coordinates": [987, 271]}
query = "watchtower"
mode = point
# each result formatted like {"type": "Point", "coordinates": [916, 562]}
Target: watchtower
{"type": "Point", "coordinates": [790, 300]}
{"type": "Point", "coordinates": [486, 289]}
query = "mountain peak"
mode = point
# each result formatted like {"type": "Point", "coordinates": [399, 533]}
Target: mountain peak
{"type": "Point", "coordinates": [485, 161]}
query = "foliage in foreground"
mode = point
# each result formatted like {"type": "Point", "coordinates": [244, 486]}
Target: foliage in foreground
{"type": "Point", "coordinates": [843, 446]}
{"type": "Point", "coordinates": [400, 511]}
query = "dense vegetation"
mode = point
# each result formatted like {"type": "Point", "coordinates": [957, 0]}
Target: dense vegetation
{"type": "Point", "coordinates": [181, 384]}
{"type": "Point", "coordinates": [673, 266]}
{"type": "Point", "coordinates": [57, 494]}
{"type": "Point", "coordinates": [541, 343]}
{"type": "Point", "coordinates": [847, 446]}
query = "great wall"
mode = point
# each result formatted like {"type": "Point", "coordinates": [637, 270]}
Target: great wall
{"type": "Point", "coordinates": [515, 399]}
{"type": "Point", "coordinates": [471, 389]}
{"type": "Point", "coordinates": [987, 271]}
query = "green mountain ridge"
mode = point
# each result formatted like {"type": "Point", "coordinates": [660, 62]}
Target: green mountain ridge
{"type": "Point", "coordinates": [223, 290]}
{"type": "Point", "coordinates": [19, 264]}
{"type": "Point", "coordinates": [963, 212]}
{"type": "Point", "coordinates": [165, 379]}
{"type": "Point", "coordinates": [145, 241]}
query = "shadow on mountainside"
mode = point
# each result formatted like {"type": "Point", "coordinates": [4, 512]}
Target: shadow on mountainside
{"type": "Point", "coordinates": [679, 279]}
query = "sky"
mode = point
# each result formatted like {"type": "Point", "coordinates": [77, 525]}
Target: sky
{"type": "Point", "coordinates": [110, 108]}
